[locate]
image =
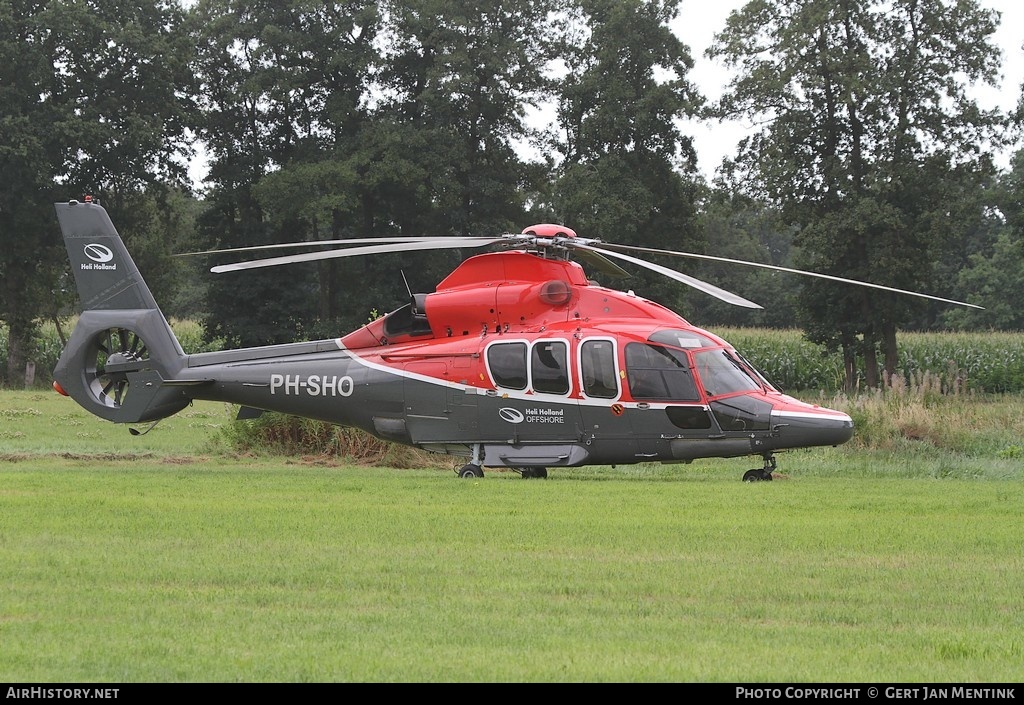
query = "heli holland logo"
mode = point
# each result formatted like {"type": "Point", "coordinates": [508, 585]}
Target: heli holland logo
{"type": "Point", "coordinates": [98, 253]}
{"type": "Point", "coordinates": [511, 415]}
{"type": "Point", "coordinates": [100, 256]}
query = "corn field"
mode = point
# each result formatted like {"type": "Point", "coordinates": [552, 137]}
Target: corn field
{"type": "Point", "coordinates": [990, 362]}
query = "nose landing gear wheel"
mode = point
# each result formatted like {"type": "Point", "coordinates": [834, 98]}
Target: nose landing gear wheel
{"type": "Point", "coordinates": [761, 474]}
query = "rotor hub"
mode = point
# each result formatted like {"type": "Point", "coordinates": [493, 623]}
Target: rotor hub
{"type": "Point", "coordinates": [549, 230]}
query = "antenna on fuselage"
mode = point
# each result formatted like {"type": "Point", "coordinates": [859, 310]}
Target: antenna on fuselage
{"type": "Point", "coordinates": [407, 289]}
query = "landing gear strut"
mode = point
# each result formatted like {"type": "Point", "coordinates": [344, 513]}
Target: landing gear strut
{"type": "Point", "coordinates": [761, 474]}
{"type": "Point", "coordinates": [475, 466]}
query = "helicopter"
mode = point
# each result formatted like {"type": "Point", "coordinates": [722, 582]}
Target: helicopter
{"type": "Point", "coordinates": [516, 360]}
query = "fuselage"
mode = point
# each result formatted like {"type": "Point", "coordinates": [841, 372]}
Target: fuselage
{"type": "Point", "coordinates": [521, 361]}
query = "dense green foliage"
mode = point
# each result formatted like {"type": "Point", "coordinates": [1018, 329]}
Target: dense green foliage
{"type": "Point", "coordinates": [94, 98]}
{"type": "Point", "coordinates": [425, 117]}
{"type": "Point", "coordinates": [881, 175]}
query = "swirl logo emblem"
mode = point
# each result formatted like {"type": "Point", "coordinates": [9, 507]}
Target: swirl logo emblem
{"type": "Point", "coordinates": [98, 253]}
{"type": "Point", "coordinates": [511, 415]}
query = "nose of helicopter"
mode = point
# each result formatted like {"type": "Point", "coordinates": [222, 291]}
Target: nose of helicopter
{"type": "Point", "coordinates": [811, 426]}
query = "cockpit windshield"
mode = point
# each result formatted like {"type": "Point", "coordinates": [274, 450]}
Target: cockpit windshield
{"type": "Point", "coordinates": [765, 382]}
{"type": "Point", "coordinates": [722, 373]}
{"type": "Point", "coordinates": [669, 371]}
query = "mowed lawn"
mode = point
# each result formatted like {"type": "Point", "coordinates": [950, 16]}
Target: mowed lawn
{"type": "Point", "coordinates": [156, 558]}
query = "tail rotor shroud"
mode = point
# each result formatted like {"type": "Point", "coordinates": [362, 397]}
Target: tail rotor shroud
{"type": "Point", "coordinates": [114, 353]}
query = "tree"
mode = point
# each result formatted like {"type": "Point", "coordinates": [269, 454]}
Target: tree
{"type": "Point", "coordinates": [867, 124]}
{"type": "Point", "coordinates": [627, 174]}
{"type": "Point", "coordinates": [284, 91]}
{"type": "Point", "coordinates": [456, 81]}
{"type": "Point", "coordinates": [738, 227]}
{"type": "Point", "coordinates": [992, 273]}
{"type": "Point", "coordinates": [93, 99]}
{"type": "Point", "coordinates": [361, 119]}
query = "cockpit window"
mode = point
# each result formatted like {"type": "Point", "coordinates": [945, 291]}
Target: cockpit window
{"type": "Point", "coordinates": [657, 372]}
{"type": "Point", "coordinates": [721, 373]}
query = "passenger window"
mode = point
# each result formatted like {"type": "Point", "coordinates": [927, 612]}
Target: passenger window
{"type": "Point", "coordinates": [549, 371]}
{"type": "Point", "coordinates": [597, 358]}
{"type": "Point", "coordinates": [507, 363]}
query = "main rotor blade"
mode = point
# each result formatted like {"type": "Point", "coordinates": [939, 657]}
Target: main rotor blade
{"type": "Point", "coordinates": [311, 243]}
{"type": "Point", "coordinates": [794, 271]}
{"type": "Point", "coordinates": [722, 294]}
{"type": "Point", "coordinates": [432, 244]}
{"type": "Point", "coordinates": [602, 263]}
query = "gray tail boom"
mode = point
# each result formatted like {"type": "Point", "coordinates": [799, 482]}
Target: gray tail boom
{"type": "Point", "coordinates": [122, 360]}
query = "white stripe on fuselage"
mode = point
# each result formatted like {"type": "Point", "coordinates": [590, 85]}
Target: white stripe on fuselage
{"type": "Point", "coordinates": [470, 389]}
{"type": "Point", "coordinates": [826, 414]}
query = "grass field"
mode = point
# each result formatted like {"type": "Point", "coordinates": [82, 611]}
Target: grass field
{"type": "Point", "coordinates": [158, 558]}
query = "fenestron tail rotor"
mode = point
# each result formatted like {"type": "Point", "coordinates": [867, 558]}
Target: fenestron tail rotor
{"type": "Point", "coordinates": [112, 355]}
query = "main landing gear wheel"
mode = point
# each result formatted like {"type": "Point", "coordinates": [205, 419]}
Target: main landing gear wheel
{"type": "Point", "coordinates": [471, 470]}
{"type": "Point", "coordinates": [761, 474]}
{"type": "Point", "coordinates": [531, 473]}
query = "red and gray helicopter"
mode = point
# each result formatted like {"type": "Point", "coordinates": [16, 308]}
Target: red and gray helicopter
{"type": "Point", "coordinates": [517, 360]}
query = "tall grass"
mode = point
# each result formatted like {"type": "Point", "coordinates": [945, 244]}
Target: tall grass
{"type": "Point", "coordinates": [280, 434]}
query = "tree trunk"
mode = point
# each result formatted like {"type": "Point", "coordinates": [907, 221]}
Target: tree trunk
{"type": "Point", "coordinates": [60, 332]}
{"type": "Point", "coordinates": [871, 376]}
{"type": "Point", "coordinates": [19, 344]}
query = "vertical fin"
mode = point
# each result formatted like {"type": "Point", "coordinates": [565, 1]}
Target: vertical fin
{"type": "Point", "coordinates": [105, 274]}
